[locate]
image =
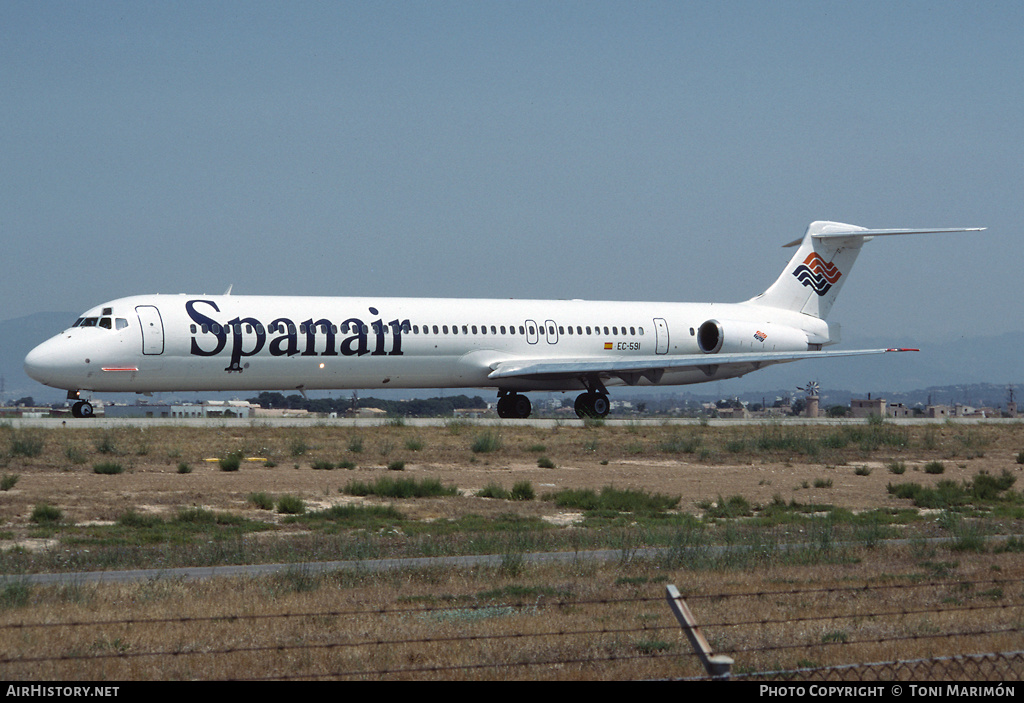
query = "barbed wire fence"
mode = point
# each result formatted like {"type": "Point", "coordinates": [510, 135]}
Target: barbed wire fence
{"type": "Point", "coordinates": [935, 631]}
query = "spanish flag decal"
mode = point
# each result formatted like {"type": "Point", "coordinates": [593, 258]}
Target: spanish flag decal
{"type": "Point", "coordinates": [607, 345]}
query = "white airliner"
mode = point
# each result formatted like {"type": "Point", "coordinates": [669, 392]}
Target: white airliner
{"type": "Point", "coordinates": [152, 343]}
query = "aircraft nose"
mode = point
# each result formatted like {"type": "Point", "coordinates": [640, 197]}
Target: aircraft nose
{"type": "Point", "coordinates": [44, 362]}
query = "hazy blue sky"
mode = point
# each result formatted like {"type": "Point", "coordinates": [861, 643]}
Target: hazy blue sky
{"type": "Point", "coordinates": [603, 150]}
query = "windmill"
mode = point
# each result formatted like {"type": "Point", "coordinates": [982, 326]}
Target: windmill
{"type": "Point", "coordinates": [812, 389]}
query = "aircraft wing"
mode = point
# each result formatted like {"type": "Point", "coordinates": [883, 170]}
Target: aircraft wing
{"type": "Point", "coordinates": [633, 369]}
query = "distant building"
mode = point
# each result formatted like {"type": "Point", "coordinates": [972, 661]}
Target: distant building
{"type": "Point", "coordinates": [861, 407]}
{"type": "Point", "coordinates": [970, 411]}
{"type": "Point", "coordinates": [210, 408]}
{"type": "Point", "coordinates": [898, 410]}
{"type": "Point", "coordinates": [734, 413]}
{"type": "Point", "coordinates": [471, 412]}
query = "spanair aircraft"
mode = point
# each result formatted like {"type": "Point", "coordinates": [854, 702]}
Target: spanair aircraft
{"type": "Point", "coordinates": [153, 343]}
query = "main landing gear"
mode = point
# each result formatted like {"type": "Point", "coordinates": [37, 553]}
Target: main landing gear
{"type": "Point", "coordinates": [592, 404]}
{"type": "Point", "coordinates": [513, 405]}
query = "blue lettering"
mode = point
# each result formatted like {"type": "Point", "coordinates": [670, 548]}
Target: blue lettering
{"type": "Point", "coordinates": [208, 323]}
{"type": "Point", "coordinates": [283, 336]}
{"type": "Point", "coordinates": [289, 339]}
{"type": "Point", "coordinates": [236, 341]}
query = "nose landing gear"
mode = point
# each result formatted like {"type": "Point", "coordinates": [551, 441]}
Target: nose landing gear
{"type": "Point", "coordinates": [82, 408]}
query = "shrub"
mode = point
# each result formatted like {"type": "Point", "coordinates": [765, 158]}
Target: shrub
{"type": "Point", "coordinates": [545, 463]}
{"type": "Point", "coordinates": [988, 487]}
{"type": "Point", "coordinates": [934, 467]}
{"type": "Point", "coordinates": [108, 468]}
{"type": "Point", "coordinates": [262, 501]}
{"type": "Point", "coordinates": [396, 465]}
{"type": "Point", "coordinates": [231, 462]}
{"type": "Point", "coordinates": [27, 444]}
{"type": "Point", "coordinates": [493, 490]}
{"type": "Point", "coordinates": [486, 443]}
{"type": "Point", "coordinates": [862, 471]}
{"type": "Point", "coordinates": [322, 465]}
{"type": "Point", "coordinates": [184, 468]}
{"type": "Point", "coordinates": [387, 487]}
{"type": "Point", "coordinates": [74, 455]}
{"type": "Point", "coordinates": [896, 467]}
{"type": "Point", "coordinates": [134, 519]}
{"type": "Point", "coordinates": [8, 481]}
{"type": "Point", "coordinates": [46, 514]}
{"type": "Point", "coordinates": [105, 444]}
{"type": "Point", "coordinates": [733, 506]}
{"type": "Point", "coordinates": [290, 505]}
{"type": "Point", "coordinates": [15, 594]}
{"type": "Point", "coordinates": [610, 498]}
{"type": "Point", "coordinates": [522, 490]}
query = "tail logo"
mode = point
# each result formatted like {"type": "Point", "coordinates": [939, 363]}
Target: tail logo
{"type": "Point", "coordinates": [817, 274]}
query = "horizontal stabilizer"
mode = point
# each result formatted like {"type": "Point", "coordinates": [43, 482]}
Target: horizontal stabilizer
{"type": "Point", "coordinates": [858, 232]}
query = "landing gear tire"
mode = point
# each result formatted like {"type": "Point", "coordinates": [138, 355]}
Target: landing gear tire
{"type": "Point", "coordinates": [592, 405]}
{"type": "Point", "coordinates": [82, 409]}
{"type": "Point", "coordinates": [514, 405]}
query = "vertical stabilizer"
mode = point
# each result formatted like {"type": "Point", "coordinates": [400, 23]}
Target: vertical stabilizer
{"type": "Point", "coordinates": [814, 276]}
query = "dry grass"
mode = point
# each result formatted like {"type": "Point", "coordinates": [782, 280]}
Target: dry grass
{"type": "Point", "coordinates": [517, 620]}
{"type": "Point", "coordinates": [587, 621]}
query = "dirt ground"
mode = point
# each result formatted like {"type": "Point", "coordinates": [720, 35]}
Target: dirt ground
{"type": "Point", "coordinates": [717, 463]}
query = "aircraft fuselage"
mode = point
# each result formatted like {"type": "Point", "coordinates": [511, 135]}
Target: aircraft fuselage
{"type": "Point", "coordinates": [211, 343]}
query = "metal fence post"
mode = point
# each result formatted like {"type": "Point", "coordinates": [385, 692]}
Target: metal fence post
{"type": "Point", "coordinates": [718, 666]}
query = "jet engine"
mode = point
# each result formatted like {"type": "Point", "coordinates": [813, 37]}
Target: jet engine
{"type": "Point", "coordinates": [730, 336]}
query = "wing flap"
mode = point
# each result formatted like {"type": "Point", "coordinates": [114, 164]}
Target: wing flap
{"type": "Point", "coordinates": [653, 367]}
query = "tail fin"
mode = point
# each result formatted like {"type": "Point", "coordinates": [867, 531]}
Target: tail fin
{"type": "Point", "coordinates": [814, 276]}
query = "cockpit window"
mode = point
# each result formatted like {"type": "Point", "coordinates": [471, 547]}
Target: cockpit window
{"type": "Point", "coordinates": [105, 323]}
{"type": "Point", "coordinates": [121, 323]}
{"type": "Point", "coordinates": [78, 322]}
{"type": "Point", "coordinates": [90, 321]}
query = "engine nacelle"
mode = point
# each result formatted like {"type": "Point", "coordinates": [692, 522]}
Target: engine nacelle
{"type": "Point", "coordinates": [729, 336]}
